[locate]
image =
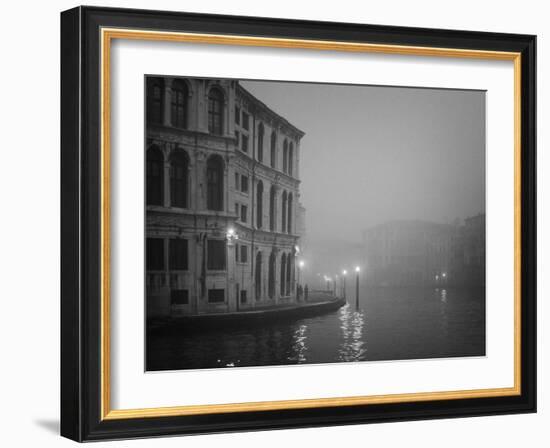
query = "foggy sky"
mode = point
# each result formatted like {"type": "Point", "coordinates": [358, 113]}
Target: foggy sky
{"type": "Point", "coordinates": [373, 154]}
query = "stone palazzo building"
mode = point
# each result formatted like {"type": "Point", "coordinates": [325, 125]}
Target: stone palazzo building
{"type": "Point", "coordinates": [421, 253]}
{"type": "Point", "coordinates": [222, 199]}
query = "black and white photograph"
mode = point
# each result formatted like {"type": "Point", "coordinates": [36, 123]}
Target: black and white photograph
{"type": "Point", "coordinates": [305, 223]}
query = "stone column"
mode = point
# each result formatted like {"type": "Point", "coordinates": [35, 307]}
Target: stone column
{"type": "Point", "coordinates": [277, 277]}
{"type": "Point", "coordinates": [296, 173]}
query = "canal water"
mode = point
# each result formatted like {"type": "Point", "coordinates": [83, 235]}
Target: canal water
{"type": "Point", "coordinates": [388, 324]}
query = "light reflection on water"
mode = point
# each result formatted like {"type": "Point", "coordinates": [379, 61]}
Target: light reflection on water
{"type": "Point", "coordinates": [389, 324]}
{"type": "Point", "coordinates": [299, 346]}
{"type": "Point", "coordinates": [352, 347]}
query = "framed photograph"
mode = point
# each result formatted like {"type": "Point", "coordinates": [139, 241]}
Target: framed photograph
{"type": "Point", "coordinates": [276, 224]}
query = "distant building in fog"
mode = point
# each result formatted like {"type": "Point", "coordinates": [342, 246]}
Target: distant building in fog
{"type": "Point", "coordinates": [223, 217]}
{"type": "Point", "coordinates": [468, 252]}
{"type": "Point", "coordinates": [421, 253]}
{"type": "Point", "coordinates": [407, 252]}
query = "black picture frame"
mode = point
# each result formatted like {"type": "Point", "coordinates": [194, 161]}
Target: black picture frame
{"type": "Point", "coordinates": [81, 224]}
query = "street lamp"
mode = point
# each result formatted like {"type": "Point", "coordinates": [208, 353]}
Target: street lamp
{"type": "Point", "coordinates": [344, 273]}
{"type": "Point", "coordinates": [300, 267]}
{"type": "Point", "coordinates": [357, 269]}
{"type": "Point", "coordinates": [231, 235]}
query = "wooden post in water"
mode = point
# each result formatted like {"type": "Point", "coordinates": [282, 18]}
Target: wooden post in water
{"type": "Point", "coordinates": [357, 287]}
{"type": "Point", "coordinates": [344, 273]}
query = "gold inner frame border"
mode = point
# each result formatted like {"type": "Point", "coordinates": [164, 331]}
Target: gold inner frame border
{"type": "Point", "coordinates": [107, 35]}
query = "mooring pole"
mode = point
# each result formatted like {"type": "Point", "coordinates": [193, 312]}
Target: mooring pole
{"type": "Point", "coordinates": [357, 287]}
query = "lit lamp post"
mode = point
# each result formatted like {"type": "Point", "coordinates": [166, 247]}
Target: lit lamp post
{"type": "Point", "coordinates": [357, 269]}
{"type": "Point", "coordinates": [327, 281]}
{"type": "Point", "coordinates": [231, 236]}
{"type": "Point", "coordinates": [344, 273]}
{"type": "Point", "coordinates": [300, 267]}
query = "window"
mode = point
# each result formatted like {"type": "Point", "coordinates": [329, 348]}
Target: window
{"type": "Point", "coordinates": [288, 273]}
{"type": "Point", "coordinates": [237, 115]}
{"type": "Point", "coordinates": [283, 275]}
{"type": "Point", "coordinates": [289, 223]}
{"type": "Point", "coordinates": [216, 255]}
{"type": "Point", "coordinates": [258, 276]}
{"type": "Point", "coordinates": [155, 254]}
{"type": "Point", "coordinates": [285, 156]}
{"type": "Point", "coordinates": [178, 254]}
{"type": "Point", "coordinates": [237, 137]}
{"type": "Point", "coordinates": [216, 295]}
{"type": "Point", "coordinates": [271, 275]}
{"type": "Point", "coordinates": [237, 182]}
{"type": "Point", "coordinates": [259, 204]}
{"type": "Point", "coordinates": [244, 143]}
{"type": "Point", "coordinates": [215, 111]}
{"type": "Point", "coordinates": [179, 165]}
{"type": "Point", "coordinates": [244, 184]}
{"type": "Point", "coordinates": [272, 208]}
{"type": "Point", "coordinates": [242, 253]}
{"type": "Point", "coordinates": [246, 124]}
{"type": "Point", "coordinates": [273, 150]}
{"type": "Point", "coordinates": [244, 213]}
{"type": "Point", "coordinates": [179, 104]}
{"type": "Point", "coordinates": [214, 175]}
{"type": "Point", "coordinates": [155, 176]}
{"type": "Point", "coordinates": [179, 297]}
{"type": "Point", "coordinates": [290, 158]}
{"type": "Point", "coordinates": [155, 94]}
{"type": "Point", "coordinates": [261, 143]}
{"type": "Point", "coordinates": [243, 296]}
{"type": "Point", "coordinates": [283, 215]}
{"type": "Point", "coordinates": [237, 210]}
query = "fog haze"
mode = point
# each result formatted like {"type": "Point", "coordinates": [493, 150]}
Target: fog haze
{"type": "Point", "coordinates": [374, 154]}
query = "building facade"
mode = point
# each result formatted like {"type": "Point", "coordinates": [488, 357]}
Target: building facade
{"type": "Point", "coordinates": [400, 253]}
{"type": "Point", "coordinates": [222, 197]}
{"type": "Point", "coordinates": [467, 264]}
{"type": "Point", "coordinates": [421, 253]}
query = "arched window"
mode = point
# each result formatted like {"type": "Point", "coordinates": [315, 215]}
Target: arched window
{"type": "Point", "coordinates": [291, 158]}
{"type": "Point", "coordinates": [179, 168]}
{"type": "Point", "coordinates": [273, 150]}
{"type": "Point", "coordinates": [215, 111]}
{"type": "Point", "coordinates": [155, 176]}
{"type": "Point", "coordinates": [289, 217]}
{"type": "Point", "coordinates": [271, 275]}
{"type": "Point", "coordinates": [180, 94]}
{"type": "Point", "coordinates": [283, 214]}
{"type": "Point", "coordinates": [288, 273]}
{"type": "Point", "coordinates": [155, 96]}
{"type": "Point", "coordinates": [261, 142]}
{"type": "Point", "coordinates": [214, 178]}
{"type": "Point", "coordinates": [259, 204]}
{"type": "Point", "coordinates": [258, 276]}
{"type": "Point", "coordinates": [272, 208]}
{"type": "Point", "coordinates": [283, 275]}
{"type": "Point", "coordinates": [285, 156]}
